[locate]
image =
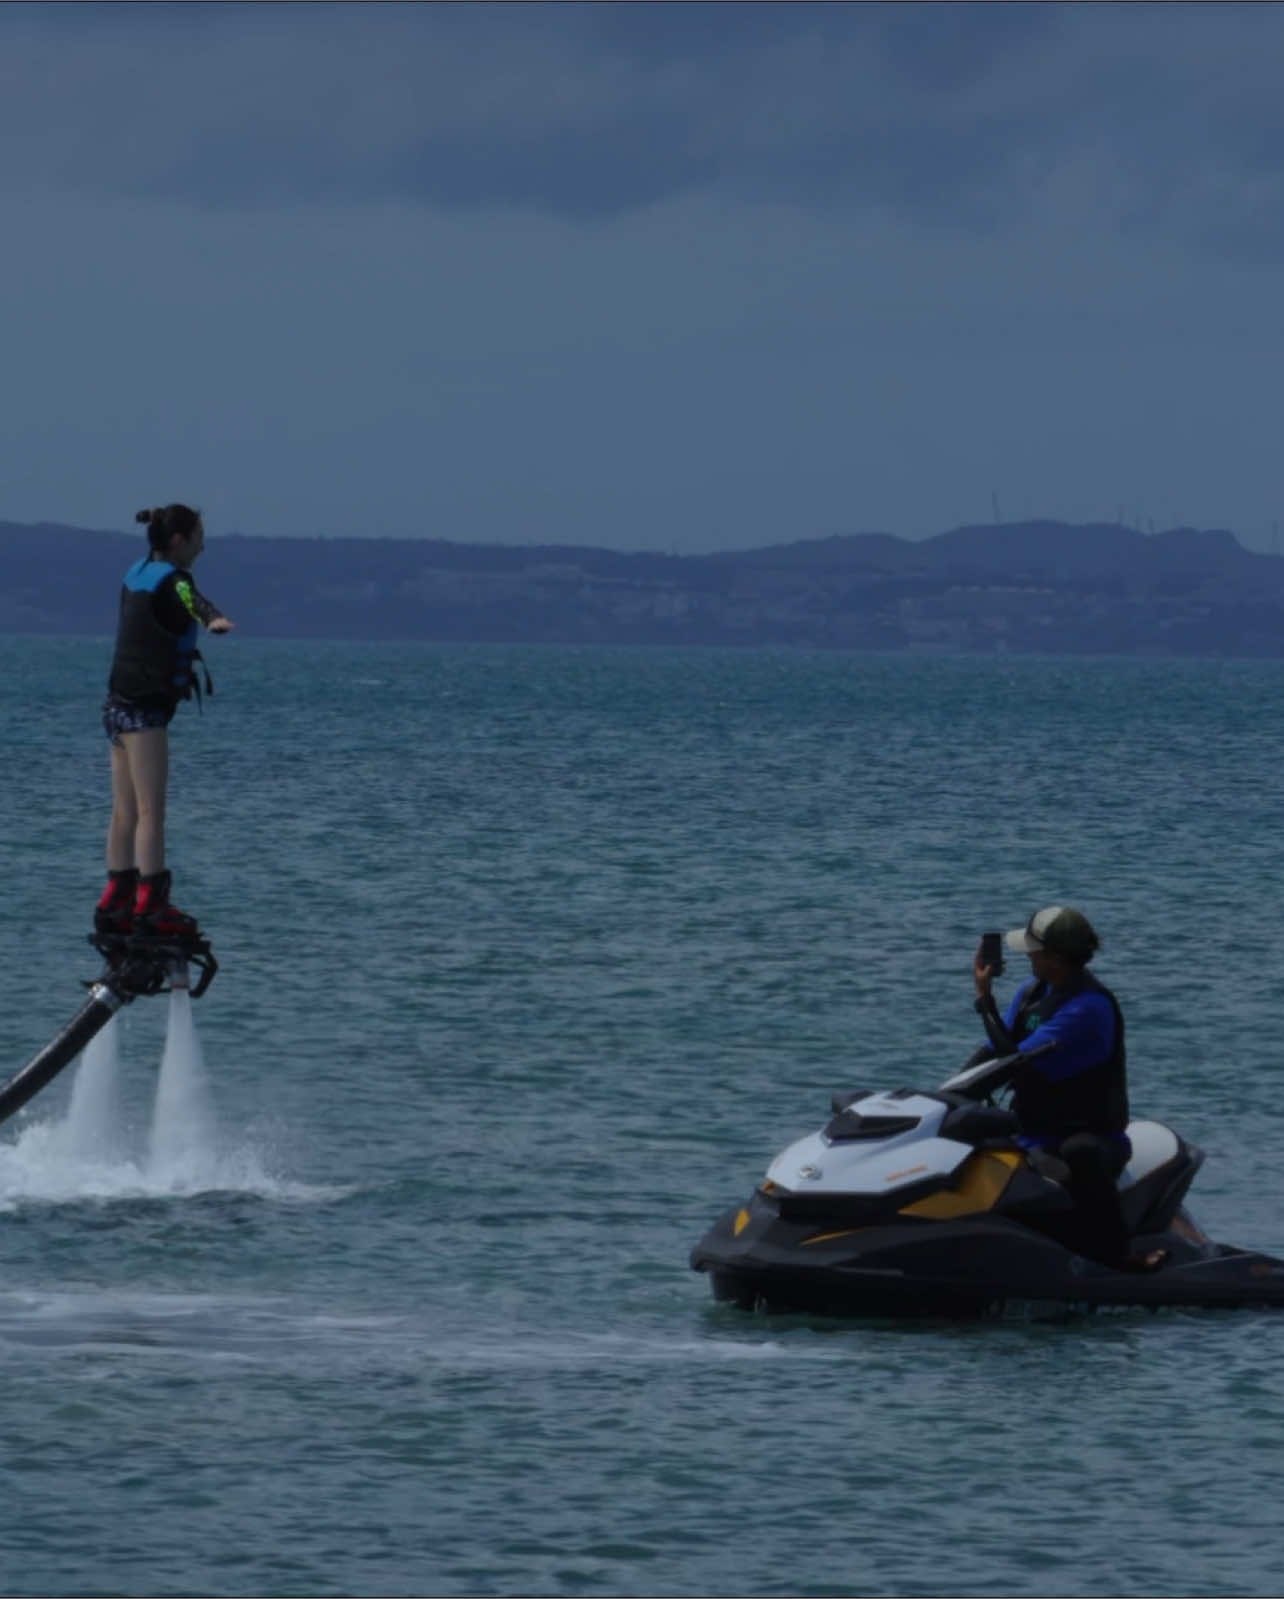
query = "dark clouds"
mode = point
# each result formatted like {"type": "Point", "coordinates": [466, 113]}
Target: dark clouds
{"type": "Point", "coordinates": [963, 115]}
{"type": "Point", "coordinates": [677, 276]}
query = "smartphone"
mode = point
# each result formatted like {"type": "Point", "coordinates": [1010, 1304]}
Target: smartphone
{"type": "Point", "coordinates": [992, 952]}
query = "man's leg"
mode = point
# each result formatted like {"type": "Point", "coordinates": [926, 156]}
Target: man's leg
{"type": "Point", "coordinates": [1095, 1164]}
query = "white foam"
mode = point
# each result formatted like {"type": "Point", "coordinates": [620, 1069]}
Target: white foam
{"type": "Point", "coordinates": [93, 1132]}
{"type": "Point", "coordinates": [90, 1153]}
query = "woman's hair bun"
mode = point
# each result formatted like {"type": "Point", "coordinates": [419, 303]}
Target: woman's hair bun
{"type": "Point", "coordinates": [143, 516]}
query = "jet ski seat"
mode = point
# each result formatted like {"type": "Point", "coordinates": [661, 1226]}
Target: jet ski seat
{"type": "Point", "coordinates": [1153, 1145]}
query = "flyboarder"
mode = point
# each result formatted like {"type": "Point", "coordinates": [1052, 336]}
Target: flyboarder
{"type": "Point", "coordinates": [147, 943]}
{"type": "Point", "coordinates": [152, 669]}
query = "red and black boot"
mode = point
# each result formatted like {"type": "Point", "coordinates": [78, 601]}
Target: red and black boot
{"type": "Point", "coordinates": [155, 917]}
{"type": "Point", "coordinates": [114, 912]}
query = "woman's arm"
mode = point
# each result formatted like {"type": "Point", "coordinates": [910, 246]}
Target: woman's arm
{"type": "Point", "coordinates": [195, 604]}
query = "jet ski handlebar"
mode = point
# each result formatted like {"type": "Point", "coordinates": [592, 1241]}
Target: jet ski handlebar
{"type": "Point", "coordinates": [988, 1076]}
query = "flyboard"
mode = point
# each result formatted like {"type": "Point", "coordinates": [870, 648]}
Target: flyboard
{"type": "Point", "coordinates": [137, 966]}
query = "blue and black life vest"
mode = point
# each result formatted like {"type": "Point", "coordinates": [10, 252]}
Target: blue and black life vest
{"type": "Point", "coordinates": [1091, 1101]}
{"type": "Point", "coordinates": [152, 664]}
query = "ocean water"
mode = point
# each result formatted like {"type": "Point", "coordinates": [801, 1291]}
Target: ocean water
{"type": "Point", "coordinates": [367, 1272]}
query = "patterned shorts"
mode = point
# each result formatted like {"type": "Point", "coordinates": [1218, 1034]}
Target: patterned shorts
{"type": "Point", "coordinates": [123, 716]}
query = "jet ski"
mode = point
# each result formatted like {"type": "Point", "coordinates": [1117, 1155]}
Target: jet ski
{"type": "Point", "coordinates": [920, 1203]}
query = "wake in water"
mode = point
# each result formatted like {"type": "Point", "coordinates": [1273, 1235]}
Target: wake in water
{"type": "Point", "coordinates": [88, 1153]}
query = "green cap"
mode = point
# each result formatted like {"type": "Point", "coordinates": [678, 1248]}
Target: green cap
{"type": "Point", "coordinates": [1060, 929]}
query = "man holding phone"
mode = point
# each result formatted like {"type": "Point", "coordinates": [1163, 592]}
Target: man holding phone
{"type": "Point", "coordinates": [1072, 1100]}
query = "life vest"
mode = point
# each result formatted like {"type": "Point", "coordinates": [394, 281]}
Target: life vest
{"type": "Point", "coordinates": [1091, 1101]}
{"type": "Point", "coordinates": [151, 664]}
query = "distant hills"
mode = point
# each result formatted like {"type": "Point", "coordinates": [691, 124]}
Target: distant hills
{"type": "Point", "coordinates": [1031, 587]}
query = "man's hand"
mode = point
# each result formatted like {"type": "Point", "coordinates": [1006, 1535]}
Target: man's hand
{"type": "Point", "coordinates": [982, 975]}
{"type": "Point", "coordinates": [222, 624]}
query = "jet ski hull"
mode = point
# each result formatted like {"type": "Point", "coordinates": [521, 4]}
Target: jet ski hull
{"type": "Point", "coordinates": [966, 1268]}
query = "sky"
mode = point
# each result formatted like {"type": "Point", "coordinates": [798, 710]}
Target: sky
{"type": "Point", "coordinates": [675, 277]}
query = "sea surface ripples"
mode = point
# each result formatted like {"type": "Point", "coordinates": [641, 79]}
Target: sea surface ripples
{"type": "Point", "coordinates": [532, 959]}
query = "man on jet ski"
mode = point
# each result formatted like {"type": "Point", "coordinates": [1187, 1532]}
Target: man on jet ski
{"type": "Point", "coordinates": [1072, 1100]}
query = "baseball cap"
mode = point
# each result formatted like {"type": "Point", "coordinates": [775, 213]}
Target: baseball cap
{"type": "Point", "coordinates": [1059, 928]}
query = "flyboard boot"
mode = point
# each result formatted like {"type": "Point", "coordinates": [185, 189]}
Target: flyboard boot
{"type": "Point", "coordinates": [166, 940]}
{"type": "Point", "coordinates": [155, 919]}
{"type": "Point", "coordinates": [114, 917]}
{"type": "Point", "coordinates": [114, 912]}
{"type": "Point", "coordinates": [148, 943]}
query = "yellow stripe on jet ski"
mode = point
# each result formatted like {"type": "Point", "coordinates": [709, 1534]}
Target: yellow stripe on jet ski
{"type": "Point", "coordinates": [985, 1175]}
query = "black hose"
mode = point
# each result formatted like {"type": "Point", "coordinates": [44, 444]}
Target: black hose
{"type": "Point", "coordinates": [93, 1016]}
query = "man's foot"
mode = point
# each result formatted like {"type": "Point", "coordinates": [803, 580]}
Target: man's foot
{"type": "Point", "coordinates": [1150, 1260]}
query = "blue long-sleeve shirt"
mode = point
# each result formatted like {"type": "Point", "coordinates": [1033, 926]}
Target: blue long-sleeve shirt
{"type": "Point", "coordinates": [1083, 1030]}
{"type": "Point", "coordinates": [1079, 1083]}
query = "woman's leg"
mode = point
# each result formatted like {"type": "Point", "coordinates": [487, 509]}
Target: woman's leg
{"type": "Point", "coordinates": [147, 754]}
{"type": "Point", "coordinates": [154, 915]}
{"type": "Point", "coordinates": [124, 813]}
{"type": "Point", "coordinates": [114, 911]}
